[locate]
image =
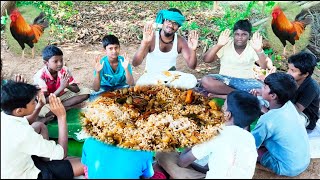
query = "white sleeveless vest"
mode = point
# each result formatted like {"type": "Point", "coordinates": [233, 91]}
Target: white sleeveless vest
{"type": "Point", "coordinates": [158, 61]}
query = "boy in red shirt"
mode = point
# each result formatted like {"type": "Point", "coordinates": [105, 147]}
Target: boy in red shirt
{"type": "Point", "coordinates": [55, 78]}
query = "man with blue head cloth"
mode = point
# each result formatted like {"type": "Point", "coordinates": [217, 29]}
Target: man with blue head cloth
{"type": "Point", "coordinates": [161, 48]}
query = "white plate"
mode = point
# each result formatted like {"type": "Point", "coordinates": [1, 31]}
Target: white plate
{"type": "Point", "coordinates": [175, 79]}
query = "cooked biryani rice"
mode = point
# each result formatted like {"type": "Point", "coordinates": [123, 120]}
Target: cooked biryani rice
{"type": "Point", "coordinates": [153, 118]}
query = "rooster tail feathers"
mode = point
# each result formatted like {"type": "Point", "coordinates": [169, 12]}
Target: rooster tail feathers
{"type": "Point", "coordinates": [38, 26]}
{"type": "Point", "coordinates": [41, 20]}
{"type": "Point", "coordinates": [303, 17]}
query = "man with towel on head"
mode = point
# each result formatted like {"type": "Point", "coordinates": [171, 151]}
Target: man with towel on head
{"type": "Point", "coordinates": [162, 47]}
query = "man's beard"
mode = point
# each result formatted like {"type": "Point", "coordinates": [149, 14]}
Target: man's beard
{"type": "Point", "coordinates": [167, 34]}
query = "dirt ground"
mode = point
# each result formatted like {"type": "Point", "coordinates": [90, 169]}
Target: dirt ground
{"type": "Point", "coordinates": [79, 60]}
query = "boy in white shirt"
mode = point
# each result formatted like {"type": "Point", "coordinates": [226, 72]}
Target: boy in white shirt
{"type": "Point", "coordinates": [232, 154]}
{"type": "Point", "coordinates": [22, 147]}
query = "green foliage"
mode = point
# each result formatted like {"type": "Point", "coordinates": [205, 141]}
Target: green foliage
{"type": "Point", "coordinates": [190, 26]}
{"type": "Point", "coordinates": [189, 5]}
{"type": "Point", "coordinates": [231, 16]}
{"type": "Point", "coordinates": [4, 20]}
{"type": "Point", "coordinates": [43, 6]}
{"type": "Point", "coordinates": [63, 11]}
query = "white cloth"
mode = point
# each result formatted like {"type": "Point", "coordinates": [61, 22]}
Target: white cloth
{"type": "Point", "coordinates": [232, 154]}
{"type": "Point", "coordinates": [175, 79]}
{"type": "Point", "coordinates": [157, 61]}
{"type": "Point", "coordinates": [314, 141]}
{"type": "Point", "coordinates": [18, 142]}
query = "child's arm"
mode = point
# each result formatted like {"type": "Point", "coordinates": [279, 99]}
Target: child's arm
{"type": "Point", "coordinates": [98, 67]}
{"type": "Point", "coordinates": [73, 87]}
{"type": "Point", "coordinates": [148, 35]}
{"type": "Point", "coordinates": [64, 83]}
{"type": "Point", "coordinates": [41, 102]}
{"type": "Point", "coordinates": [125, 64]}
{"type": "Point", "coordinates": [58, 109]}
{"type": "Point", "coordinates": [211, 54]}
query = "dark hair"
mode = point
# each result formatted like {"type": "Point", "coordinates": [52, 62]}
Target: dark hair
{"type": "Point", "coordinates": [283, 85]}
{"type": "Point", "coordinates": [175, 10]}
{"type": "Point", "coordinates": [305, 62]}
{"type": "Point", "coordinates": [16, 95]}
{"type": "Point", "coordinates": [109, 39]}
{"type": "Point", "coordinates": [244, 107]}
{"type": "Point", "coordinates": [50, 51]}
{"type": "Point", "coordinates": [243, 25]}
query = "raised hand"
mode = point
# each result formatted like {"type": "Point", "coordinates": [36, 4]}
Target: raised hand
{"type": "Point", "coordinates": [224, 37]}
{"type": "Point", "coordinates": [125, 62]}
{"type": "Point", "coordinates": [193, 40]}
{"type": "Point", "coordinates": [97, 65]}
{"type": "Point", "coordinates": [64, 81]}
{"type": "Point", "coordinates": [256, 41]}
{"type": "Point", "coordinates": [41, 100]}
{"type": "Point", "coordinates": [56, 106]}
{"type": "Point", "coordinates": [148, 33]}
{"type": "Point", "coordinates": [19, 78]}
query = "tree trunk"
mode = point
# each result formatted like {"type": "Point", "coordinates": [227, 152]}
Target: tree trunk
{"type": "Point", "coordinates": [7, 5]}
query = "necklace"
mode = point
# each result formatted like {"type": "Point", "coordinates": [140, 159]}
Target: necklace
{"type": "Point", "coordinates": [162, 39]}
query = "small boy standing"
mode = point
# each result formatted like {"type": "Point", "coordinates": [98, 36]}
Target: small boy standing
{"type": "Point", "coordinates": [109, 74]}
{"type": "Point", "coordinates": [55, 78]}
{"type": "Point", "coordinates": [22, 148]}
{"type": "Point", "coordinates": [280, 136]}
{"type": "Point", "coordinates": [306, 99]}
{"type": "Point", "coordinates": [232, 154]}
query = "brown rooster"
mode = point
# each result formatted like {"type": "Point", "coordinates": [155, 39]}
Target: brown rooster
{"type": "Point", "coordinates": [25, 33]}
{"type": "Point", "coordinates": [286, 30]}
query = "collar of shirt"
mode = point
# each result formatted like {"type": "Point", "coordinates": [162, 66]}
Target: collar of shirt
{"type": "Point", "coordinates": [47, 74]}
{"type": "Point", "coordinates": [18, 119]}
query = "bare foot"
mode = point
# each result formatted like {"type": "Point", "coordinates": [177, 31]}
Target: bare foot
{"type": "Point", "coordinates": [80, 105]}
{"type": "Point", "coordinates": [45, 120]}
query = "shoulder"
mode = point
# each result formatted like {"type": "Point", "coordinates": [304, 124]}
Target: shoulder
{"type": "Point", "coordinates": [104, 58]}
{"type": "Point", "coordinates": [314, 85]}
{"type": "Point", "coordinates": [229, 45]}
{"type": "Point", "coordinates": [121, 58]}
{"type": "Point", "coordinates": [181, 39]}
{"type": "Point", "coordinates": [41, 72]}
{"type": "Point", "coordinates": [232, 130]}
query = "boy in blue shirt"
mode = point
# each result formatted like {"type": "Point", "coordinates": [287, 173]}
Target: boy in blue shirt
{"type": "Point", "coordinates": [112, 71]}
{"type": "Point", "coordinates": [280, 135]}
{"type": "Point", "coordinates": [104, 161]}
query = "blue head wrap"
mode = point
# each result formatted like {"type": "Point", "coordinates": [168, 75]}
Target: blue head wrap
{"type": "Point", "coordinates": [170, 15]}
